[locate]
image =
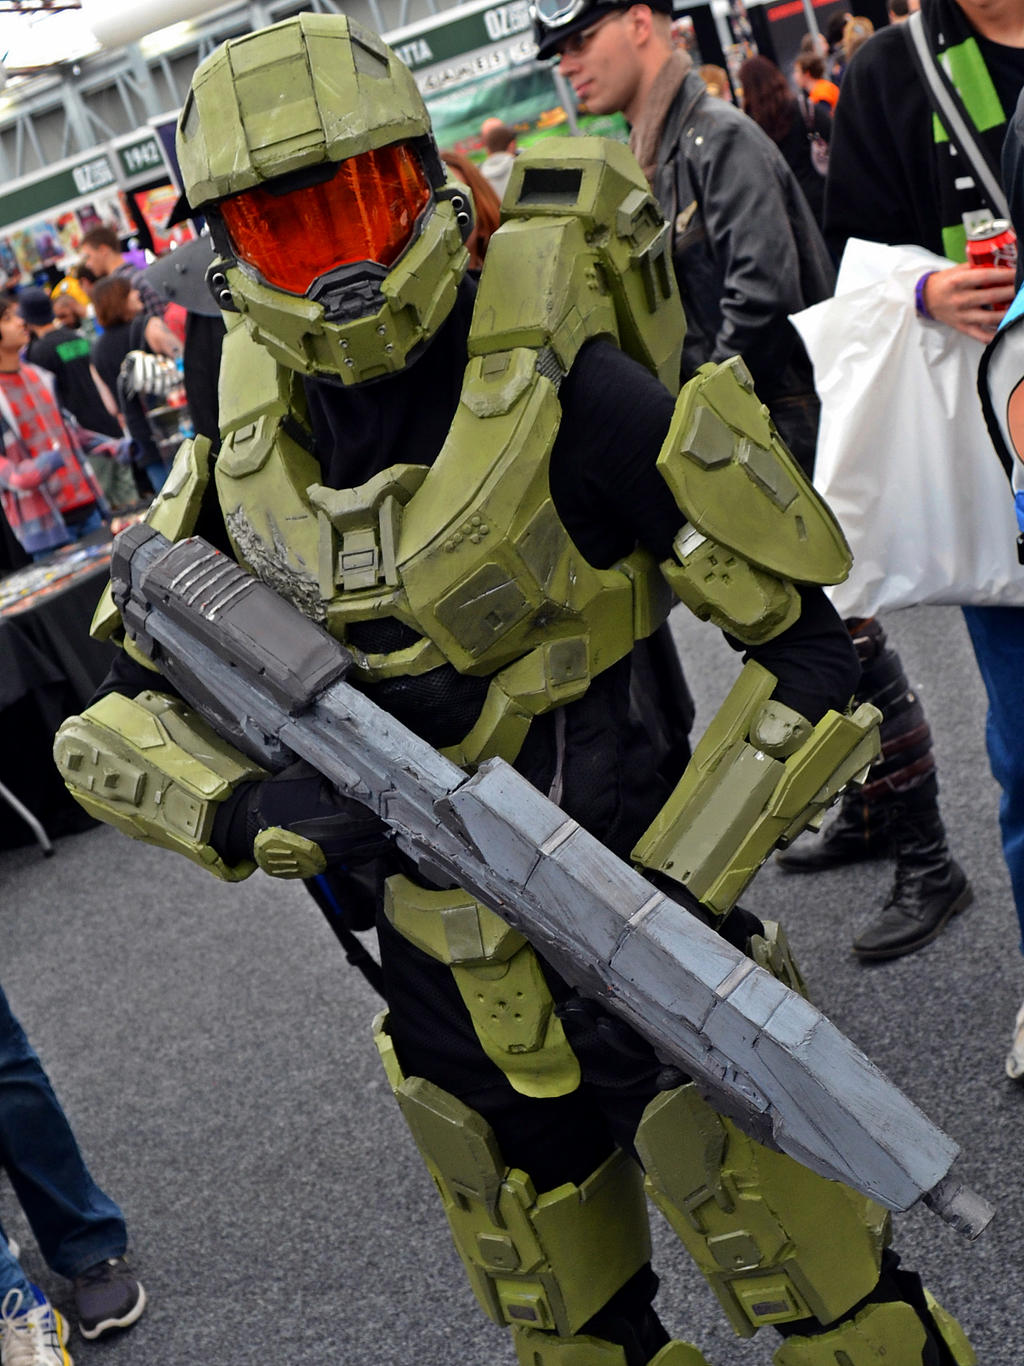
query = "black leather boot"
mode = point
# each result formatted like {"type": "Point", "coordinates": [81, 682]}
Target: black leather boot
{"type": "Point", "coordinates": [859, 832]}
{"type": "Point", "coordinates": [863, 828]}
{"type": "Point", "coordinates": [930, 888]}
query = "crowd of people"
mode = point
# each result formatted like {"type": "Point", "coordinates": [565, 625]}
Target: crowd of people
{"type": "Point", "coordinates": [760, 193]}
{"type": "Point", "coordinates": [77, 446]}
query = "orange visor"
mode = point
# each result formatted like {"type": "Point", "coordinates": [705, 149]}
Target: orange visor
{"type": "Point", "coordinates": [367, 211]}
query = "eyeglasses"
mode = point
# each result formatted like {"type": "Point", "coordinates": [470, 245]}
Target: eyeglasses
{"type": "Point", "coordinates": [579, 42]}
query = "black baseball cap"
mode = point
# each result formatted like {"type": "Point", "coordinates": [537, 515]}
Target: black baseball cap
{"type": "Point", "coordinates": [35, 306]}
{"type": "Point", "coordinates": [556, 20]}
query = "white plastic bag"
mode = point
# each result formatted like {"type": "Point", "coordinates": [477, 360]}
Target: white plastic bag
{"type": "Point", "coordinates": [904, 458]}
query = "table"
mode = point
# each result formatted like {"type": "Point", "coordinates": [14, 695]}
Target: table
{"type": "Point", "coordinates": [49, 668]}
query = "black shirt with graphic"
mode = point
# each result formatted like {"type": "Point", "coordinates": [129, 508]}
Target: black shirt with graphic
{"type": "Point", "coordinates": [65, 353]}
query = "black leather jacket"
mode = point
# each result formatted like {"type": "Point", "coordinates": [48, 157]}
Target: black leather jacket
{"type": "Point", "coordinates": [746, 248]}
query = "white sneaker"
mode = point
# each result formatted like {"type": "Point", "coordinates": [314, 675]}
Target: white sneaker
{"type": "Point", "coordinates": [1015, 1057]}
{"type": "Point", "coordinates": [34, 1335]}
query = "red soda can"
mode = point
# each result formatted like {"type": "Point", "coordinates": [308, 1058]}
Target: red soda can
{"type": "Point", "coordinates": [992, 244]}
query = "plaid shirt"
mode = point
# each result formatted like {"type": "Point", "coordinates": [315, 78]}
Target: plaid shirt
{"type": "Point", "coordinates": [43, 473]}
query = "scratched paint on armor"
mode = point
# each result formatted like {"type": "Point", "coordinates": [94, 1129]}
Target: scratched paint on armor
{"type": "Point", "coordinates": [272, 566]}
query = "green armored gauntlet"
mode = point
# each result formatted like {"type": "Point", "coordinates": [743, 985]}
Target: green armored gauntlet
{"type": "Point", "coordinates": [157, 771]}
{"type": "Point", "coordinates": [755, 529]}
{"type": "Point", "coordinates": [760, 774]}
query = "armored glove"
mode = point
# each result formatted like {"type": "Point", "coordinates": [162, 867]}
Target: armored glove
{"type": "Point", "coordinates": [296, 825]}
{"type": "Point", "coordinates": [143, 373]}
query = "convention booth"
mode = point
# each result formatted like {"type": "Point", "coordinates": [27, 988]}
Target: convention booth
{"type": "Point", "coordinates": [51, 667]}
{"type": "Point", "coordinates": [127, 182]}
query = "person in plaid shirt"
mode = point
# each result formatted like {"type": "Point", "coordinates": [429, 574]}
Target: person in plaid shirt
{"type": "Point", "coordinates": [49, 494]}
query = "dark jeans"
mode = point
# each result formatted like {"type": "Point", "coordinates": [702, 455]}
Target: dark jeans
{"type": "Point", "coordinates": [75, 1224]}
{"type": "Point", "coordinates": [997, 634]}
{"type": "Point", "coordinates": [76, 532]}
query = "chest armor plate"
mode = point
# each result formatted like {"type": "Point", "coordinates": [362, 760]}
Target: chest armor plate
{"type": "Point", "coordinates": [469, 556]}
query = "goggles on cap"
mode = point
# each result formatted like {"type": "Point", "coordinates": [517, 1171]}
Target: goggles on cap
{"type": "Point", "coordinates": [366, 211]}
{"type": "Point", "coordinates": [555, 13]}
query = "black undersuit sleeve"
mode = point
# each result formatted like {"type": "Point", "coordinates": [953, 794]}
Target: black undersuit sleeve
{"type": "Point", "coordinates": [610, 496]}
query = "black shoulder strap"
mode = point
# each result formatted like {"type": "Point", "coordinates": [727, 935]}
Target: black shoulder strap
{"type": "Point", "coordinates": [946, 102]}
{"type": "Point", "coordinates": [358, 955]}
{"type": "Point", "coordinates": [985, 383]}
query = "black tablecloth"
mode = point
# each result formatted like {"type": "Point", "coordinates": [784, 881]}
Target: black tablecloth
{"type": "Point", "coordinates": [49, 668]}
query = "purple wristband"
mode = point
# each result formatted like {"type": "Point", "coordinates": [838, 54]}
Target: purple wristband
{"type": "Point", "coordinates": [919, 303]}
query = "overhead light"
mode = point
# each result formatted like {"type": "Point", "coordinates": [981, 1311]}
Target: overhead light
{"type": "Point", "coordinates": [115, 24]}
{"type": "Point", "coordinates": [167, 39]}
{"type": "Point", "coordinates": [42, 37]}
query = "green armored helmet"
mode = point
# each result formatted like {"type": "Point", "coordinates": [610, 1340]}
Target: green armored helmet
{"type": "Point", "coordinates": [308, 147]}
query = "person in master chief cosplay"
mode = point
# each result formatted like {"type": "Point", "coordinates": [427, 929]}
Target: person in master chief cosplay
{"type": "Point", "coordinates": [462, 482]}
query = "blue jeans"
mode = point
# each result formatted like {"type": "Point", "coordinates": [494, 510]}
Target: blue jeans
{"type": "Point", "coordinates": [75, 533]}
{"type": "Point", "coordinates": [157, 473]}
{"type": "Point", "coordinates": [75, 1224]}
{"type": "Point", "coordinates": [92, 523]}
{"type": "Point", "coordinates": [997, 634]}
{"type": "Point", "coordinates": [11, 1275]}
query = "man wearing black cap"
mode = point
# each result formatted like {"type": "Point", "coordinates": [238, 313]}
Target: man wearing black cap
{"type": "Point", "coordinates": [747, 253]}
{"type": "Point", "coordinates": [745, 246]}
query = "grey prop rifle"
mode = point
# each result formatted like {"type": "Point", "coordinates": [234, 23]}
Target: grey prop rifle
{"type": "Point", "coordinates": [271, 682]}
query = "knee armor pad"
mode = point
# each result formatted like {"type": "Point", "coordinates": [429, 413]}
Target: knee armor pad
{"type": "Point", "coordinates": [545, 1349]}
{"type": "Point", "coordinates": [544, 1261]}
{"type": "Point", "coordinates": [776, 1242]}
{"type": "Point", "coordinates": [549, 1349]}
{"type": "Point", "coordinates": [891, 1331]}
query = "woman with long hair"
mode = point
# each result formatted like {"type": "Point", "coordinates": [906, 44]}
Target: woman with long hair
{"type": "Point", "coordinates": [791, 123]}
{"type": "Point", "coordinates": [119, 312]}
{"type": "Point", "coordinates": [486, 205]}
{"type": "Point", "coordinates": [856, 31]}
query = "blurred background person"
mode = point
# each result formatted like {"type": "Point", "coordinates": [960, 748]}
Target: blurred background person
{"type": "Point", "coordinates": [486, 204]}
{"type": "Point", "coordinates": [102, 257]}
{"type": "Point", "coordinates": [79, 1228]}
{"type": "Point", "coordinates": [856, 31]}
{"type": "Point", "coordinates": [119, 312]}
{"type": "Point", "coordinates": [809, 75]}
{"type": "Point", "coordinates": [835, 60]}
{"type": "Point", "coordinates": [900, 10]}
{"type": "Point", "coordinates": [499, 141]}
{"type": "Point", "coordinates": [48, 491]}
{"type": "Point", "coordinates": [790, 121]}
{"type": "Point", "coordinates": [716, 79]}
{"type": "Point", "coordinates": [65, 353]}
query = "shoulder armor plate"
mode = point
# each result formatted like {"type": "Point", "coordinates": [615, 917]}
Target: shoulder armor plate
{"type": "Point", "coordinates": [736, 482]}
{"type": "Point", "coordinates": [582, 252]}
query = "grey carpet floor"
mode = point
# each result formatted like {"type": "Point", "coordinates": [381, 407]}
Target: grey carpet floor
{"type": "Point", "coordinates": [213, 1050]}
